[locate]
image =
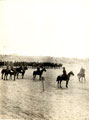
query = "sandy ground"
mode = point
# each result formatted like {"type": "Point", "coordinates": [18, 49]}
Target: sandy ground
{"type": "Point", "coordinates": [24, 98]}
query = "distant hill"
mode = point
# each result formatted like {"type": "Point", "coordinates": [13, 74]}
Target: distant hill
{"type": "Point", "coordinates": [38, 59]}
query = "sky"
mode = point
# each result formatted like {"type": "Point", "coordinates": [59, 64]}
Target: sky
{"type": "Point", "coordinates": [58, 28]}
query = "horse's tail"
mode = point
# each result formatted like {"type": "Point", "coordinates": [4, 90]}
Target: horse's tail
{"type": "Point", "coordinates": [2, 71]}
{"type": "Point", "coordinates": [58, 78]}
{"type": "Point", "coordinates": [33, 73]}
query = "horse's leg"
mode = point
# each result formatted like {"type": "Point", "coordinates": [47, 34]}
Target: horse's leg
{"type": "Point", "coordinates": [10, 77]}
{"type": "Point", "coordinates": [22, 75]}
{"type": "Point", "coordinates": [67, 83]}
{"type": "Point", "coordinates": [14, 77]}
{"type": "Point", "coordinates": [39, 77]}
{"type": "Point", "coordinates": [17, 75]}
{"type": "Point", "coordinates": [60, 83]}
{"type": "Point", "coordinates": [6, 76]}
{"type": "Point", "coordinates": [82, 78]}
{"type": "Point", "coordinates": [79, 79]}
{"type": "Point", "coordinates": [34, 76]}
{"type": "Point", "coordinates": [2, 75]}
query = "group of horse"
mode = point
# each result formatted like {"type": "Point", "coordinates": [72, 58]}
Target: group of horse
{"type": "Point", "coordinates": [16, 71]}
{"type": "Point", "coordinates": [60, 78]}
{"type": "Point", "coordinates": [13, 72]}
{"type": "Point", "coordinates": [80, 75]}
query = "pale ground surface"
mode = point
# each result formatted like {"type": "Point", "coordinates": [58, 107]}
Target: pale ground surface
{"type": "Point", "coordinates": [24, 99]}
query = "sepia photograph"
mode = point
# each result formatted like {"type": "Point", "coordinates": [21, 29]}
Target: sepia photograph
{"type": "Point", "coordinates": [44, 60]}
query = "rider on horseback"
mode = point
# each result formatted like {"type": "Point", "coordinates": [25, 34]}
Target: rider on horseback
{"type": "Point", "coordinates": [12, 69]}
{"type": "Point", "coordinates": [82, 70]}
{"type": "Point", "coordinates": [7, 67]}
{"type": "Point", "coordinates": [64, 73]}
{"type": "Point", "coordinates": [81, 74]}
{"type": "Point", "coordinates": [38, 69]}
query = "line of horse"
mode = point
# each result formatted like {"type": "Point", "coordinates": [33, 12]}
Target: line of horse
{"type": "Point", "coordinates": [21, 70]}
{"type": "Point", "coordinates": [13, 72]}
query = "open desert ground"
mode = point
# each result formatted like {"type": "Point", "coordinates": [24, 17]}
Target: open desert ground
{"type": "Point", "coordinates": [24, 99]}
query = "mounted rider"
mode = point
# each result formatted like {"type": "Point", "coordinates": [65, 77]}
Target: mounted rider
{"type": "Point", "coordinates": [64, 73]}
{"type": "Point", "coordinates": [12, 69]}
{"type": "Point", "coordinates": [7, 67]}
{"type": "Point", "coordinates": [38, 69]}
{"type": "Point", "coordinates": [82, 71]}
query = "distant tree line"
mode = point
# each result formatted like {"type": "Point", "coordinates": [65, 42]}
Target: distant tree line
{"type": "Point", "coordinates": [31, 64]}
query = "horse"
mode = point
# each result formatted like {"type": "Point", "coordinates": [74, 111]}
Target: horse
{"type": "Point", "coordinates": [81, 76]}
{"type": "Point", "coordinates": [40, 72]}
{"type": "Point", "coordinates": [6, 72]}
{"type": "Point", "coordinates": [64, 78]}
{"type": "Point", "coordinates": [21, 70]}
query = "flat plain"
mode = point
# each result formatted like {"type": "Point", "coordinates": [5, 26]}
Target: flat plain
{"type": "Point", "coordinates": [24, 98]}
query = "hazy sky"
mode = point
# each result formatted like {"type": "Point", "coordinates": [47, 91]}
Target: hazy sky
{"type": "Point", "coordinates": [57, 28]}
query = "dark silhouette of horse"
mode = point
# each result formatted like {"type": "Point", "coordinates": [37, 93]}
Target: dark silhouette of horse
{"type": "Point", "coordinates": [40, 72]}
{"type": "Point", "coordinates": [6, 72]}
{"type": "Point", "coordinates": [81, 74]}
{"type": "Point", "coordinates": [13, 71]}
{"type": "Point", "coordinates": [21, 70]}
{"type": "Point", "coordinates": [64, 78]}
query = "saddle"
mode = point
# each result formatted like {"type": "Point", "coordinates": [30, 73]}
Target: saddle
{"type": "Point", "coordinates": [64, 76]}
{"type": "Point", "coordinates": [38, 71]}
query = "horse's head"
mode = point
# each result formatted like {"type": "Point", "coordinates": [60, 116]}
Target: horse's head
{"type": "Point", "coordinates": [44, 69]}
{"type": "Point", "coordinates": [25, 67]}
{"type": "Point", "coordinates": [71, 73]}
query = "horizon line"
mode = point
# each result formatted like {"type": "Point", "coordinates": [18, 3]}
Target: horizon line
{"type": "Point", "coordinates": [44, 56]}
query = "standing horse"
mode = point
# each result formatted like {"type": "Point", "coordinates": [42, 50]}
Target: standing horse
{"type": "Point", "coordinates": [6, 72]}
{"type": "Point", "coordinates": [40, 72]}
{"type": "Point", "coordinates": [21, 70]}
{"type": "Point", "coordinates": [81, 76]}
{"type": "Point", "coordinates": [64, 78]}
